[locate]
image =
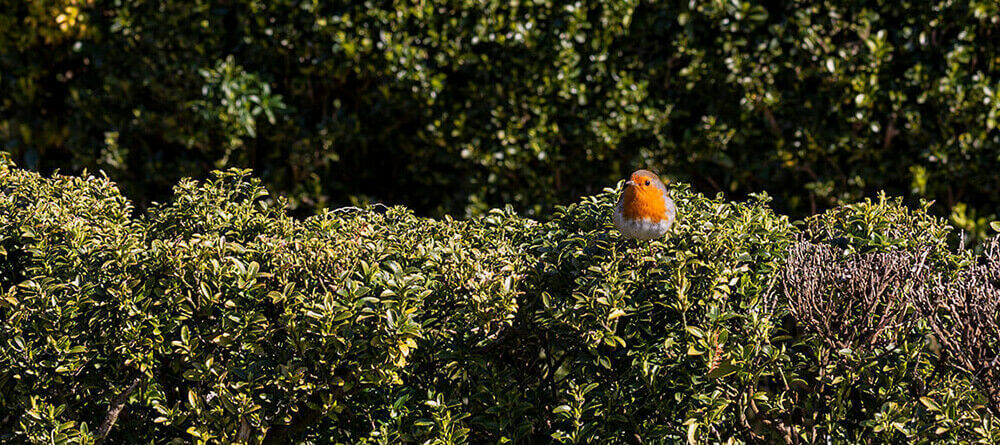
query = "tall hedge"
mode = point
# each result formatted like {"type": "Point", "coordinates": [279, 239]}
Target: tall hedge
{"type": "Point", "coordinates": [457, 107]}
{"type": "Point", "coordinates": [215, 317]}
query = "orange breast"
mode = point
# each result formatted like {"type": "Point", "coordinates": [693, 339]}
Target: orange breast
{"type": "Point", "coordinates": [644, 203]}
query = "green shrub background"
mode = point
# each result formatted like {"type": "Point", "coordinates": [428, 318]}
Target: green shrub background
{"type": "Point", "coordinates": [457, 107]}
{"type": "Point", "coordinates": [217, 318]}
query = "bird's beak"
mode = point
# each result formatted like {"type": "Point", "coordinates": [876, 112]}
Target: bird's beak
{"type": "Point", "coordinates": [630, 183]}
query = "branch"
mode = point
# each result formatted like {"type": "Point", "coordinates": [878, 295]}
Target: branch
{"type": "Point", "coordinates": [772, 122]}
{"type": "Point", "coordinates": [890, 132]}
{"type": "Point", "coordinates": [117, 405]}
{"type": "Point", "coordinates": [243, 435]}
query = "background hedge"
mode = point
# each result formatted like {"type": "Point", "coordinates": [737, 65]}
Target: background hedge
{"type": "Point", "coordinates": [456, 107]}
{"type": "Point", "coordinates": [218, 318]}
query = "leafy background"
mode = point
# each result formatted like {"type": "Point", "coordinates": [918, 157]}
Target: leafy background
{"type": "Point", "coordinates": [458, 106]}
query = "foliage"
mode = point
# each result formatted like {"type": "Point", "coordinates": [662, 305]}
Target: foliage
{"type": "Point", "coordinates": [71, 255]}
{"type": "Point", "coordinates": [889, 383]}
{"type": "Point", "coordinates": [963, 314]}
{"type": "Point", "coordinates": [661, 340]}
{"type": "Point", "coordinates": [235, 321]}
{"type": "Point", "coordinates": [456, 107]}
{"type": "Point", "coordinates": [216, 317]}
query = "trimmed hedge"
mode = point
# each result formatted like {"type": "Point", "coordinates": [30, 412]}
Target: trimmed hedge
{"type": "Point", "coordinates": [215, 317]}
{"type": "Point", "coordinates": [464, 106]}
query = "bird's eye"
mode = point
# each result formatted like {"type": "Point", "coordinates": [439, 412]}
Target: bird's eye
{"type": "Point", "coordinates": [647, 182]}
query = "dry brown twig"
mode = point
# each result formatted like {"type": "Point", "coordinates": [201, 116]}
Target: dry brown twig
{"type": "Point", "coordinates": [964, 314]}
{"type": "Point", "coordinates": [857, 302]}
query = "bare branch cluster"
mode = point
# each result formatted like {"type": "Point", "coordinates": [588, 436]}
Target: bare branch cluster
{"type": "Point", "coordinates": [858, 302]}
{"type": "Point", "coordinates": [964, 314]}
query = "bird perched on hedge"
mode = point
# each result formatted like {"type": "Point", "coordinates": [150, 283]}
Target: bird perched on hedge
{"type": "Point", "coordinates": [644, 210]}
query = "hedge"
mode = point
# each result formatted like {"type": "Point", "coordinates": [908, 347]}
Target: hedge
{"type": "Point", "coordinates": [457, 107]}
{"type": "Point", "coordinates": [215, 317]}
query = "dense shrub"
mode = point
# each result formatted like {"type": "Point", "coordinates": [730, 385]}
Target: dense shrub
{"type": "Point", "coordinates": [219, 318]}
{"type": "Point", "coordinates": [215, 317]}
{"type": "Point", "coordinates": [457, 107]}
{"type": "Point", "coordinates": [872, 367]}
{"type": "Point", "coordinates": [965, 317]}
{"type": "Point", "coordinates": [73, 309]}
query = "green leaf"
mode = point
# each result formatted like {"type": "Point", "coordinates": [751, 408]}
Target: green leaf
{"type": "Point", "coordinates": [192, 398]}
{"type": "Point", "coordinates": [930, 404]}
{"type": "Point", "coordinates": [695, 331]}
{"type": "Point", "coordinates": [725, 368]}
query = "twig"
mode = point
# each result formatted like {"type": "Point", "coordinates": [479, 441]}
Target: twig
{"type": "Point", "coordinates": [359, 209]}
{"type": "Point", "coordinates": [117, 405]}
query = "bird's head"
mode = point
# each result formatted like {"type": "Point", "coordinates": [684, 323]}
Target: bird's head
{"type": "Point", "coordinates": [643, 180]}
{"type": "Point", "coordinates": [645, 197]}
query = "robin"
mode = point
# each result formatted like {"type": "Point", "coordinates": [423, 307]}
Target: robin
{"type": "Point", "coordinates": [644, 211]}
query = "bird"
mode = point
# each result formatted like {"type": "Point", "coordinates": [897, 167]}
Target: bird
{"type": "Point", "coordinates": [644, 210]}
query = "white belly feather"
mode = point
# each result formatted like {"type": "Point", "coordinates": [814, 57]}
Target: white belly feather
{"type": "Point", "coordinates": [644, 229]}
